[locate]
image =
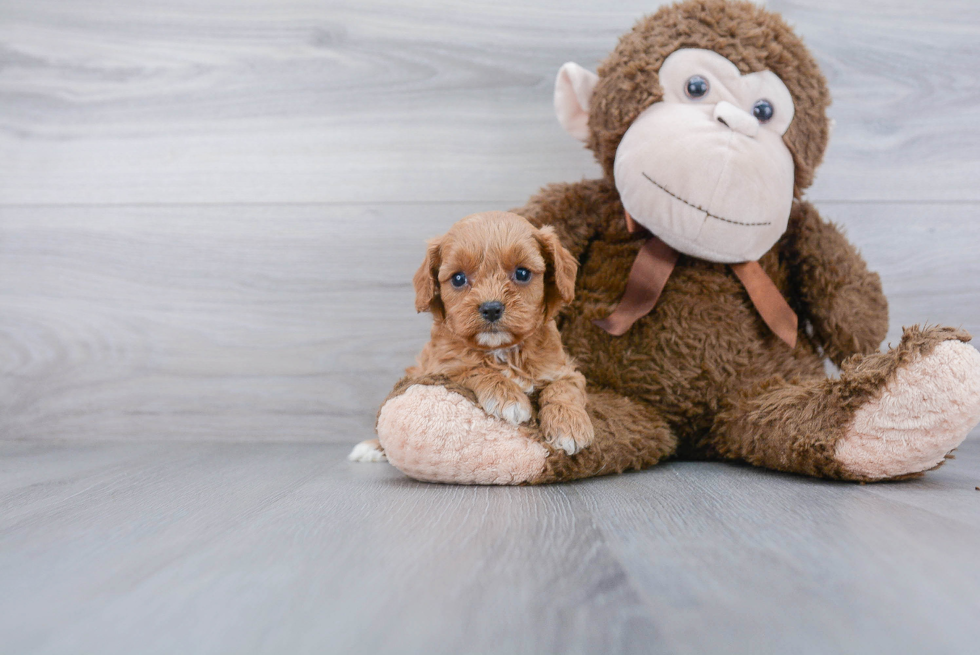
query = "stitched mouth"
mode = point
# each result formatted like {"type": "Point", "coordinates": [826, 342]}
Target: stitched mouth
{"type": "Point", "coordinates": [699, 208]}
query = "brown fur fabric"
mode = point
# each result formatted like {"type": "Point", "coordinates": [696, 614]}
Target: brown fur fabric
{"type": "Point", "coordinates": [704, 357]}
{"type": "Point", "coordinates": [792, 426]}
{"type": "Point", "coordinates": [702, 376]}
{"type": "Point", "coordinates": [704, 346]}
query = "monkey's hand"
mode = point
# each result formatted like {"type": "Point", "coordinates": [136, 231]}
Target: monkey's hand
{"type": "Point", "coordinates": [843, 300]}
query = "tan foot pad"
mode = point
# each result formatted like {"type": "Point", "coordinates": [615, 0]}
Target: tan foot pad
{"type": "Point", "coordinates": [432, 434]}
{"type": "Point", "coordinates": [923, 413]}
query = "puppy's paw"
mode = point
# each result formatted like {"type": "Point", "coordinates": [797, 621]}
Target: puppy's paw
{"type": "Point", "coordinates": [567, 427]}
{"type": "Point", "coordinates": [367, 451]}
{"type": "Point", "coordinates": [517, 413]}
{"type": "Point", "coordinates": [512, 405]}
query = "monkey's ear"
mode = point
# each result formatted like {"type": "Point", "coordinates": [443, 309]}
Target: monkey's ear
{"type": "Point", "coordinates": [559, 278]}
{"type": "Point", "coordinates": [426, 280]}
{"type": "Point", "coordinates": [573, 92]}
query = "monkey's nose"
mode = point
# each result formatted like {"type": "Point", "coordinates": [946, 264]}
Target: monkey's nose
{"type": "Point", "coordinates": [492, 311]}
{"type": "Point", "coordinates": [736, 119]}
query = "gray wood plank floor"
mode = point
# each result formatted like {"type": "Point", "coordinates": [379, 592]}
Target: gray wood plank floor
{"type": "Point", "coordinates": [287, 548]}
{"type": "Point", "coordinates": [210, 212]}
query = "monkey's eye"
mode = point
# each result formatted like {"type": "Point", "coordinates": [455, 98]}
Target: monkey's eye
{"type": "Point", "coordinates": [696, 87]}
{"type": "Point", "coordinates": [763, 111]}
{"type": "Point", "coordinates": [458, 280]}
{"type": "Point", "coordinates": [522, 275]}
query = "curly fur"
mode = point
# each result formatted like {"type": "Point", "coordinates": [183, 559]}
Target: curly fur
{"type": "Point", "coordinates": [519, 351]}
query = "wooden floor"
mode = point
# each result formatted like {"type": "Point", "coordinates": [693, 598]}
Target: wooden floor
{"type": "Point", "coordinates": [210, 212]}
{"type": "Point", "coordinates": [287, 548]}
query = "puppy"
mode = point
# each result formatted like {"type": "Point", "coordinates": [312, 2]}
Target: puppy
{"type": "Point", "coordinates": [494, 284]}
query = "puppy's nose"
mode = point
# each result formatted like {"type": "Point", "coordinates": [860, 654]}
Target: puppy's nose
{"type": "Point", "coordinates": [491, 311]}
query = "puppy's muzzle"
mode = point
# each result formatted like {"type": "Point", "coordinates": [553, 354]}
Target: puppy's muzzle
{"type": "Point", "coordinates": [492, 311]}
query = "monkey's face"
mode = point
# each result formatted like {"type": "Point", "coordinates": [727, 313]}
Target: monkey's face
{"type": "Point", "coordinates": [706, 169]}
{"type": "Point", "coordinates": [692, 117]}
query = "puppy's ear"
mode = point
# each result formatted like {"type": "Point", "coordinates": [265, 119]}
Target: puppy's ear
{"type": "Point", "coordinates": [426, 280]}
{"type": "Point", "coordinates": [559, 279]}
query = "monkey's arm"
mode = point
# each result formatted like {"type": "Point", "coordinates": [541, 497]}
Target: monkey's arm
{"type": "Point", "coordinates": [843, 300]}
{"type": "Point", "coordinates": [577, 211]}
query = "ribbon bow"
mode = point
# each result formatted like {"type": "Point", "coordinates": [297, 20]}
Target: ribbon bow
{"type": "Point", "coordinates": [651, 270]}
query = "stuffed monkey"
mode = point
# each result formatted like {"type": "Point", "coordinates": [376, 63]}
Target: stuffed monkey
{"type": "Point", "coordinates": [710, 291]}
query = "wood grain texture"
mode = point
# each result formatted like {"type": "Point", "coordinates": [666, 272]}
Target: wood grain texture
{"type": "Point", "coordinates": [780, 564]}
{"type": "Point", "coordinates": [210, 213]}
{"type": "Point", "coordinates": [385, 100]}
{"type": "Point", "coordinates": [284, 323]}
{"type": "Point", "coordinates": [286, 548]}
{"type": "Point", "coordinates": [291, 323]}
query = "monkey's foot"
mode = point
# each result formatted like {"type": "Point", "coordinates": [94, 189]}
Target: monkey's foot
{"type": "Point", "coordinates": [923, 413]}
{"type": "Point", "coordinates": [433, 434]}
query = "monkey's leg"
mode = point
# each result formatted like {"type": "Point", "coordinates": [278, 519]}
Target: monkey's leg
{"type": "Point", "coordinates": [629, 435]}
{"type": "Point", "coordinates": [436, 432]}
{"type": "Point", "coordinates": [890, 415]}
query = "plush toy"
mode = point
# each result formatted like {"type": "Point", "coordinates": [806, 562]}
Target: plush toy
{"type": "Point", "coordinates": [710, 292]}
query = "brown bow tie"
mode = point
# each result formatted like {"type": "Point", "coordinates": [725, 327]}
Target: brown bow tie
{"type": "Point", "coordinates": [653, 266]}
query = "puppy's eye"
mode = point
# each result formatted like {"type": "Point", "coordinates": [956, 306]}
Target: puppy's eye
{"type": "Point", "coordinates": [522, 275]}
{"type": "Point", "coordinates": [458, 280]}
{"type": "Point", "coordinates": [696, 87]}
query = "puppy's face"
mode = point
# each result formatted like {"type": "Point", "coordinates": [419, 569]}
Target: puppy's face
{"type": "Point", "coordinates": [494, 278]}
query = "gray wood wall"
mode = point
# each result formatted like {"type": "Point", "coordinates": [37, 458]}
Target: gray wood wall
{"type": "Point", "coordinates": [210, 211]}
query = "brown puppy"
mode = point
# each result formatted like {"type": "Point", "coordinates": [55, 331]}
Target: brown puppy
{"type": "Point", "coordinates": [494, 284]}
